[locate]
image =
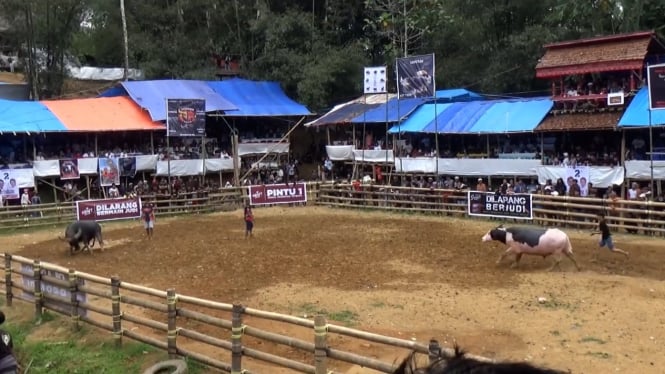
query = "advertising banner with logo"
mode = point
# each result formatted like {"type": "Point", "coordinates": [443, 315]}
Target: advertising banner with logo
{"type": "Point", "coordinates": [415, 76]}
{"type": "Point", "coordinates": [490, 204]}
{"type": "Point", "coordinates": [109, 172]}
{"type": "Point", "coordinates": [375, 80]}
{"type": "Point", "coordinates": [278, 194]}
{"type": "Point", "coordinates": [108, 209]}
{"type": "Point", "coordinates": [185, 117]}
{"type": "Point", "coordinates": [69, 169]}
{"type": "Point", "coordinates": [656, 83]}
{"type": "Point", "coordinates": [28, 280]}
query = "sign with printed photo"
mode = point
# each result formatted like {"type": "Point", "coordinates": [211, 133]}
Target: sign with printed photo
{"type": "Point", "coordinates": [491, 204]}
{"type": "Point", "coordinates": [375, 80]}
{"type": "Point", "coordinates": [580, 173]}
{"type": "Point", "coordinates": [656, 83]}
{"type": "Point", "coordinates": [109, 172]}
{"type": "Point", "coordinates": [69, 169]}
{"type": "Point", "coordinates": [415, 76]}
{"type": "Point", "coordinates": [12, 180]}
{"type": "Point", "coordinates": [127, 166]}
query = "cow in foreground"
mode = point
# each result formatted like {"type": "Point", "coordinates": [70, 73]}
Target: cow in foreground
{"type": "Point", "coordinates": [460, 363]}
{"type": "Point", "coordinates": [533, 241]}
{"type": "Point", "coordinates": [85, 232]}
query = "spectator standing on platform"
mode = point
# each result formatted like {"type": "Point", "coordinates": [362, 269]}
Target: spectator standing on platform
{"type": "Point", "coordinates": [148, 217]}
{"type": "Point", "coordinates": [36, 200]}
{"type": "Point", "coordinates": [8, 363]}
{"type": "Point", "coordinates": [481, 186]}
{"type": "Point", "coordinates": [249, 221]}
{"type": "Point", "coordinates": [114, 193]}
{"type": "Point", "coordinates": [328, 169]}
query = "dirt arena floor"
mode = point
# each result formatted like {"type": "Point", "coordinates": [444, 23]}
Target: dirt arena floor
{"type": "Point", "coordinates": [406, 276]}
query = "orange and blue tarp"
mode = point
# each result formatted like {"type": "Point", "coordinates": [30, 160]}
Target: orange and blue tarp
{"type": "Point", "coordinates": [28, 117]}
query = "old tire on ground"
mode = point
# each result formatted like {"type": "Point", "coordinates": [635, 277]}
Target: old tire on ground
{"type": "Point", "coordinates": [168, 367]}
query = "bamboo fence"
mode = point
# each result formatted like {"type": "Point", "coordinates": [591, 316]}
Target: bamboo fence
{"type": "Point", "coordinates": [182, 325]}
{"type": "Point", "coordinates": [645, 217]}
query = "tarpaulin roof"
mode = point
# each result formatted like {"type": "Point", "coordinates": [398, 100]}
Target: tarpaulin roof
{"type": "Point", "coordinates": [27, 116]}
{"type": "Point", "coordinates": [637, 112]}
{"type": "Point", "coordinates": [152, 95]}
{"type": "Point", "coordinates": [346, 112]}
{"type": "Point", "coordinates": [457, 94]}
{"type": "Point", "coordinates": [495, 116]}
{"type": "Point", "coordinates": [102, 114]}
{"type": "Point", "coordinates": [255, 99]}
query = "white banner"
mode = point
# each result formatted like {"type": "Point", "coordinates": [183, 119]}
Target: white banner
{"type": "Point", "coordinates": [262, 148]}
{"type": "Point", "coordinates": [219, 164]}
{"type": "Point", "coordinates": [642, 170]}
{"type": "Point", "coordinates": [375, 80]}
{"type": "Point", "coordinates": [370, 155]}
{"type": "Point", "coordinates": [426, 165]}
{"type": "Point", "coordinates": [599, 176]}
{"type": "Point", "coordinates": [12, 180]}
{"type": "Point", "coordinates": [468, 166]}
{"type": "Point", "coordinates": [180, 168]}
{"type": "Point", "coordinates": [146, 162]}
{"type": "Point", "coordinates": [340, 152]}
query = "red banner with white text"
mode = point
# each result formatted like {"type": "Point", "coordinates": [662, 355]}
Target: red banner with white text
{"type": "Point", "coordinates": [278, 194]}
{"type": "Point", "coordinates": [108, 209]}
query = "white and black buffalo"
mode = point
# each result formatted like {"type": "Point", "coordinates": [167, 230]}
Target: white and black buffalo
{"type": "Point", "coordinates": [85, 232]}
{"type": "Point", "coordinates": [532, 241]}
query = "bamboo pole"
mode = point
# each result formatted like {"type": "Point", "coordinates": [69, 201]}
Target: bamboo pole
{"type": "Point", "coordinates": [237, 330]}
{"type": "Point", "coordinates": [320, 345]}
{"type": "Point", "coordinates": [115, 307]}
{"type": "Point", "coordinates": [172, 331]}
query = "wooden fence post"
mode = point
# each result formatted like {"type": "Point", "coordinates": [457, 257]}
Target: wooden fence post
{"type": "Point", "coordinates": [8, 279]}
{"type": "Point", "coordinates": [320, 344]}
{"type": "Point", "coordinates": [37, 276]}
{"type": "Point", "coordinates": [434, 350]}
{"type": "Point", "coordinates": [115, 305]}
{"type": "Point", "coordinates": [172, 331]}
{"type": "Point", "coordinates": [73, 290]}
{"type": "Point", "coordinates": [237, 329]}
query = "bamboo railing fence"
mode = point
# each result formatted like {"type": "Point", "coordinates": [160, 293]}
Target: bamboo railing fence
{"type": "Point", "coordinates": [188, 326]}
{"type": "Point", "coordinates": [646, 217]}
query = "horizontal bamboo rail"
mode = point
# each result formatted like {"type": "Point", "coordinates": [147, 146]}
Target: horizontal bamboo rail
{"type": "Point", "coordinates": [646, 217]}
{"type": "Point", "coordinates": [173, 307]}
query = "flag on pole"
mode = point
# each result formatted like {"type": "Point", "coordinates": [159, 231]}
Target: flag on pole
{"type": "Point", "coordinates": [415, 76]}
{"type": "Point", "coordinates": [375, 80]}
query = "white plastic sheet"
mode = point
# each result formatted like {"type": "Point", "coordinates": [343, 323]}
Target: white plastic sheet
{"type": "Point", "coordinates": [340, 152]}
{"type": "Point", "coordinates": [370, 155]}
{"type": "Point", "coordinates": [468, 166]}
{"type": "Point", "coordinates": [180, 168]}
{"type": "Point", "coordinates": [87, 166]}
{"type": "Point", "coordinates": [46, 168]}
{"type": "Point", "coordinates": [642, 170]}
{"type": "Point", "coordinates": [219, 164]}
{"type": "Point", "coordinates": [85, 73]}
{"type": "Point", "coordinates": [146, 162]}
{"type": "Point", "coordinates": [415, 165]}
{"type": "Point", "coordinates": [600, 176]}
{"type": "Point", "coordinates": [262, 148]}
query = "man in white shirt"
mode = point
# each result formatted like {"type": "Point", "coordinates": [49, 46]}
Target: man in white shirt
{"type": "Point", "coordinates": [25, 198]}
{"type": "Point", "coordinates": [113, 192]}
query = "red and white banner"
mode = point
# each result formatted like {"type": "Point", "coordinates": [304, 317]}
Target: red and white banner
{"type": "Point", "coordinates": [109, 209]}
{"type": "Point", "coordinates": [278, 194]}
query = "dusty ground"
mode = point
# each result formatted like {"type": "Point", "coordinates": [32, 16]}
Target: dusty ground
{"type": "Point", "coordinates": [404, 276]}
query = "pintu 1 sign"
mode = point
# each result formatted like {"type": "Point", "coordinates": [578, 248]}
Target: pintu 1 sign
{"type": "Point", "coordinates": [490, 204]}
{"type": "Point", "coordinates": [278, 194]}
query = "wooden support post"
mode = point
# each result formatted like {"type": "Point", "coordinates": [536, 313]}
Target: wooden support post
{"type": "Point", "coordinates": [172, 332]}
{"type": "Point", "coordinates": [320, 345]}
{"type": "Point", "coordinates": [87, 185]}
{"type": "Point", "coordinates": [8, 279]}
{"type": "Point", "coordinates": [73, 290]}
{"type": "Point", "coordinates": [237, 330]}
{"type": "Point", "coordinates": [55, 191]}
{"type": "Point", "coordinates": [434, 350]}
{"type": "Point", "coordinates": [115, 310]}
{"type": "Point", "coordinates": [37, 276]}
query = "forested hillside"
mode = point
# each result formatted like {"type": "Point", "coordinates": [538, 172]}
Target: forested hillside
{"type": "Point", "coordinates": [315, 48]}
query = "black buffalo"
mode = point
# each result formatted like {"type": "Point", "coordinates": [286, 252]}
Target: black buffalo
{"type": "Point", "coordinates": [85, 232]}
{"type": "Point", "coordinates": [460, 363]}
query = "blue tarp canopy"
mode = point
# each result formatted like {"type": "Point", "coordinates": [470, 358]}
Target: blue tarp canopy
{"type": "Point", "coordinates": [152, 95]}
{"type": "Point", "coordinates": [492, 117]}
{"type": "Point", "coordinates": [637, 112]}
{"type": "Point", "coordinates": [27, 116]}
{"type": "Point", "coordinates": [396, 110]}
{"type": "Point", "coordinates": [256, 99]}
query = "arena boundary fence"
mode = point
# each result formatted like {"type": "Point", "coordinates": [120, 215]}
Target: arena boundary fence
{"type": "Point", "coordinates": [645, 217]}
{"type": "Point", "coordinates": [168, 320]}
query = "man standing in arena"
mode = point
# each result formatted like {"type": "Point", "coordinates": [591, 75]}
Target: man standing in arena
{"type": "Point", "coordinates": [606, 236]}
{"type": "Point", "coordinates": [8, 363]}
{"type": "Point", "coordinates": [148, 217]}
{"type": "Point", "coordinates": [249, 221]}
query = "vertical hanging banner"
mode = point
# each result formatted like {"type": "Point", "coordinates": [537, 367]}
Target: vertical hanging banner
{"type": "Point", "coordinates": [185, 117]}
{"type": "Point", "coordinates": [69, 169]}
{"type": "Point", "coordinates": [375, 80]}
{"type": "Point", "coordinates": [127, 166]}
{"type": "Point", "coordinates": [109, 172]}
{"type": "Point", "coordinates": [415, 76]}
{"type": "Point", "coordinates": [656, 83]}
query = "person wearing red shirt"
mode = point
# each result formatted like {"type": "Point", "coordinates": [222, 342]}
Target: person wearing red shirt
{"type": "Point", "coordinates": [148, 217]}
{"type": "Point", "coordinates": [249, 221]}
